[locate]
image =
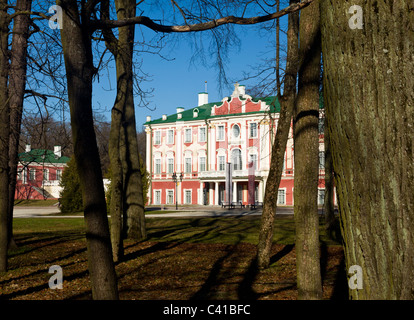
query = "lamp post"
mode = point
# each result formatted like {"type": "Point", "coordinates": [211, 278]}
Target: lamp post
{"type": "Point", "coordinates": [175, 179]}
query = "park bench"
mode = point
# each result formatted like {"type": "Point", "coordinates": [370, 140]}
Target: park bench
{"type": "Point", "coordinates": [238, 203]}
{"type": "Point", "coordinates": [256, 204]}
{"type": "Point", "coordinates": [229, 205]}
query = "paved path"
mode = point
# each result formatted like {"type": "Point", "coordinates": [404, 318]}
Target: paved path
{"type": "Point", "coordinates": [34, 212]}
{"type": "Point", "coordinates": [196, 211]}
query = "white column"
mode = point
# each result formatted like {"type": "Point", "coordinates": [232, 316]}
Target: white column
{"type": "Point", "coordinates": [216, 193]}
{"type": "Point", "coordinates": [234, 191]}
{"type": "Point", "coordinates": [200, 194]}
{"type": "Point", "coordinates": [210, 195]}
{"type": "Point", "coordinates": [260, 192]}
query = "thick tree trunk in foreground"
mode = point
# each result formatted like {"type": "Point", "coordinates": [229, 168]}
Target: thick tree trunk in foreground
{"type": "Point", "coordinates": [4, 135]}
{"type": "Point", "coordinates": [17, 85]}
{"type": "Point", "coordinates": [369, 97]}
{"type": "Point", "coordinates": [278, 150]}
{"type": "Point", "coordinates": [329, 183]}
{"type": "Point", "coordinates": [77, 50]}
{"type": "Point", "coordinates": [306, 142]}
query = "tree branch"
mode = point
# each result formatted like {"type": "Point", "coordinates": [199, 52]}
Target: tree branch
{"type": "Point", "coordinates": [148, 22]}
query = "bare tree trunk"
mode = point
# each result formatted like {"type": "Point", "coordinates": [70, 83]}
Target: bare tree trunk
{"type": "Point", "coordinates": [306, 142]}
{"type": "Point", "coordinates": [133, 197]}
{"type": "Point", "coordinates": [76, 42]}
{"type": "Point", "coordinates": [116, 207]}
{"type": "Point", "coordinates": [4, 134]}
{"type": "Point", "coordinates": [17, 84]}
{"type": "Point", "coordinates": [278, 150]}
{"type": "Point", "coordinates": [368, 91]}
{"type": "Point", "coordinates": [329, 183]}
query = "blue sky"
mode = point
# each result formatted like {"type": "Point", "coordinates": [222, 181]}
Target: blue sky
{"type": "Point", "coordinates": [177, 83]}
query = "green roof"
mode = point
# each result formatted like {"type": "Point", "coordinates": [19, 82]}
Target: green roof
{"type": "Point", "coordinates": [204, 111]}
{"type": "Point", "coordinates": [41, 156]}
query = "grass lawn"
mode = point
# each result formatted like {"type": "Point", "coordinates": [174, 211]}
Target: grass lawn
{"type": "Point", "coordinates": [35, 203]}
{"type": "Point", "coordinates": [183, 258]}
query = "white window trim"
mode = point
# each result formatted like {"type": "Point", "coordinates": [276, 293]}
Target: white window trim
{"type": "Point", "coordinates": [168, 164]}
{"type": "Point", "coordinates": [218, 162]}
{"type": "Point", "coordinates": [155, 198]}
{"type": "Point", "coordinates": [199, 134]}
{"type": "Point", "coordinates": [257, 158]}
{"type": "Point", "coordinates": [157, 132]}
{"type": "Point", "coordinates": [185, 164]}
{"type": "Point", "coordinates": [250, 131]}
{"type": "Point", "coordinates": [205, 162]}
{"type": "Point", "coordinates": [168, 136]}
{"type": "Point", "coordinates": [321, 204]}
{"type": "Point", "coordinates": [185, 196]}
{"type": "Point", "coordinates": [284, 203]}
{"type": "Point", "coordinates": [166, 196]}
{"type": "Point", "coordinates": [155, 165]}
{"type": "Point", "coordinates": [218, 132]}
{"type": "Point", "coordinates": [185, 135]}
{"type": "Point", "coordinates": [241, 159]}
{"type": "Point", "coordinates": [47, 173]}
{"type": "Point", "coordinates": [232, 131]}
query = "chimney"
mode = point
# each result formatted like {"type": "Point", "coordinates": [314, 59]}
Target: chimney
{"type": "Point", "coordinates": [179, 110]}
{"type": "Point", "coordinates": [148, 118]}
{"type": "Point", "coordinates": [202, 98]}
{"type": "Point", "coordinates": [58, 152]}
{"type": "Point", "coordinates": [28, 148]}
{"type": "Point", "coordinates": [164, 117]}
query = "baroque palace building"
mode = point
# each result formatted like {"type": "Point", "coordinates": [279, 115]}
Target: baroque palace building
{"type": "Point", "coordinates": [194, 146]}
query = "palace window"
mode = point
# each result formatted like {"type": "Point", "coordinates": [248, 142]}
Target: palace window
{"type": "Point", "coordinates": [157, 166]}
{"type": "Point", "coordinates": [32, 174]}
{"type": "Point", "coordinates": [253, 157]}
{"type": "Point", "coordinates": [236, 131]}
{"type": "Point", "coordinates": [58, 174]}
{"type": "Point", "coordinates": [202, 134]}
{"type": "Point", "coordinates": [281, 196]}
{"type": "Point", "coordinates": [170, 196]}
{"type": "Point", "coordinates": [220, 133]}
{"type": "Point", "coordinates": [157, 137]}
{"type": "Point", "coordinates": [321, 160]}
{"type": "Point", "coordinates": [253, 130]}
{"type": "Point", "coordinates": [46, 174]}
{"type": "Point", "coordinates": [187, 196]}
{"type": "Point", "coordinates": [202, 164]}
{"type": "Point", "coordinates": [187, 135]}
{"type": "Point", "coordinates": [170, 136]}
{"type": "Point", "coordinates": [236, 159]}
{"type": "Point", "coordinates": [170, 168]}
{"type": "Point", "coordinates": [221, 163]}
{"type": "Point", "coordinates": [187, 165]}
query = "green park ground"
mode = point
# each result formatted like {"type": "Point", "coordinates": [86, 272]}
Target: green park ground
{"type": "Point", "coordinates": [183, 258]}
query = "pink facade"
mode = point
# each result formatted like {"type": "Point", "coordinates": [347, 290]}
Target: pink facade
{"type": "Point", "coordinates": [197, 143]}
{"type": "Point", "coordinates": [38, 174]}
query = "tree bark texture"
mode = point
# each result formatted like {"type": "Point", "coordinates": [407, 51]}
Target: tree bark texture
{"type": "Point", "coordinates": [329, 183]}
{"type": "Point", "coordinates": [306, 154]}
{"type": "Point", "coordinates": [279, 146]}
{"type": "Point", "coordinates": [4, 134]}
{"type": "Point", "coordinates": [369, 99]}
{"type": "Point", "coordinates": [17, 85]}
{"type": "Point", "coordinates": [133, 198]}
{"type": "Point", "coordinates": [128, 152]}
{"type": "Point", "coordinates": [76, 42]}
